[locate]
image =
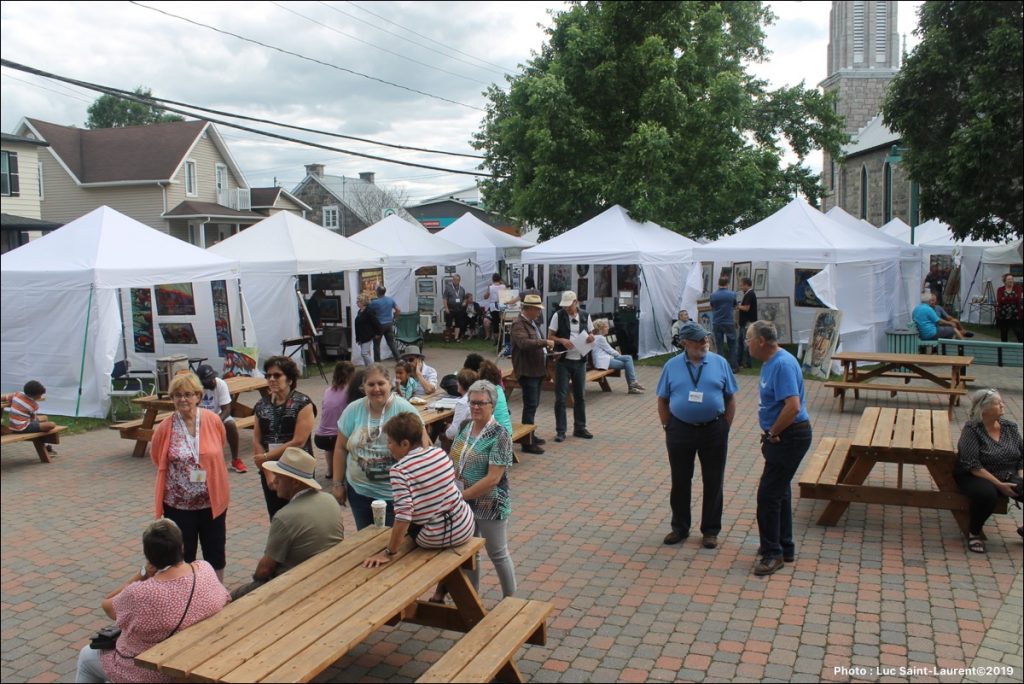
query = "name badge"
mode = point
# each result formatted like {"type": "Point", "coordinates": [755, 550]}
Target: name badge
{"type": "Point", "coordinates": [458, 301]}
{"type": "Point", "coordinates": [696, 397]}
{"type": "Point", "coordinates": [197, 475]}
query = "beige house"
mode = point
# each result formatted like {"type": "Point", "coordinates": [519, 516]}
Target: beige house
{"type": "Point", "coordinates": [177, 177]}
{"type": "Point", "coordinates": [20, 200]}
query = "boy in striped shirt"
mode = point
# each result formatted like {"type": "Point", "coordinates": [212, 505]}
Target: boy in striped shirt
{"type": "Point", "coordinates": [24, 407]}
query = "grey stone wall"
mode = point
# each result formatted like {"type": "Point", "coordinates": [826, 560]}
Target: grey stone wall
{"type": "Point", "coordinates": [317, 197]}
{"type": "Point", "coordinates": [849, 188]}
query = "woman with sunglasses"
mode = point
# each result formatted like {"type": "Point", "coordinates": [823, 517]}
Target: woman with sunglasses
{"type": "Point", "coordinates": [283, 419]}
{"type": "Point", "coordinates": [191, 478]}
{"type": "Point", "coordinates": [362, 459]}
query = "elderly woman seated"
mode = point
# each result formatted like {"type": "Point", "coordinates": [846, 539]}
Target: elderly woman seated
{"type": "Point", "coordinates": [990, 462]}
{"type": "Point", "coordinates": [606, 356]}
{"type": "Point", "coordinates": [165, 596]}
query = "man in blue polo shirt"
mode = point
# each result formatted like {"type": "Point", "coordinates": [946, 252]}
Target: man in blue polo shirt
{"type": "Point", "coordinates": [385, 309]}
{"type": "Point", "coordinates": [723, 302]}
{"type": "Point", "coordinates": [696, 406]}
{"type": "Point", "coordinates": [782, 415]}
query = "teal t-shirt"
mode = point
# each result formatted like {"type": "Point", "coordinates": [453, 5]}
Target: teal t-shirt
{"type": "Point", "coordinates": [368, 466]}
{"type": "Point", "coordinates": [501, 412]}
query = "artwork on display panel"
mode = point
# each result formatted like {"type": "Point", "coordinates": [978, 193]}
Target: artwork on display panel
{"type": "Point", "coordinates": [425, 286]}
{"type": "Point", "coordinates": [803, 293]}
{"type": "Point", "coordinates": [425, 305]}
{"type": "Point", "coordinates": [627, 278]}
{"type": "Point", "coordinates": [369, 280]}
{"type": "Point", "coordinates": [603, 281]}
{"type": "Point", "coordinates": [559, 278]}
{"type": "Point", "coordinates": [740, 270]}
{"type": "Point", "coordinates": [581, 289]}
{"type": "Point", "coordinates": [221, 316]}
{"type": "Point", "coordinates": [142, 319]}
{"type": "Point", "coordinates": [329, 308]}
{"type": "Point", "coordinates": [824, 340]}
{"type": "Point", "coordinates": [776, 310]}
{"type": "Point", "coordinates": [329, 281]}
{"type": "Point", "coordinates": [761, 281]}
{"type": "Point", "coordinates": [707, 271]}
{"type": "Point", "coordinates": [175, 299]}
{"type": "Point", "coordinates": [178, 333]}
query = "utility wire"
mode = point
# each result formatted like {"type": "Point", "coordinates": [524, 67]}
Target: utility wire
{"type": "Point", "coordinates": [42, 87]}
{"type": "Point", "coordinates": [151, 102]}
{"type": "Point", "coordinates": [504, 70]}
{"type": "Point", "coordinates": [308, 59]}
{"type": "Point", "coordinates": [376, 47]}
{"type": "Point", "coordinates": [410, 40]}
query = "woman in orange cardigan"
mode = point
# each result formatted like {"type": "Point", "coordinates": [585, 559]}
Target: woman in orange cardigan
{"type": "Point", "coordinates": [191, 478]}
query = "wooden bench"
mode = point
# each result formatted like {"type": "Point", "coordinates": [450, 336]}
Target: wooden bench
{"type": "Point", "coordinates": [600, 376]}
{"type": "Point", "coordinates": [954, 393]}
{"type": "Point", "coordinates": [521, 434]}
{"type": "Point", "coordinates": [985, 352]}
{"type": "Point", "coordinates": [133, 429]}
{"type": "Point", "coordinates": [485, 653]}
{"type": "Point", "coordinates": [39, 439]}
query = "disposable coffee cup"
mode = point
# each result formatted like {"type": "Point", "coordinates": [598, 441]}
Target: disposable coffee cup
{"type": "Point", "coordinates": [380, 509]}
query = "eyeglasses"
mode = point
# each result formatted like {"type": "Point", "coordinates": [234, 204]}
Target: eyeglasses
{"type": "Point", "coordinates": [479, 404]}
{"type": "Point", "coordinates": [275, 376]}
{"type": "Point", "coordinates": [179, 396]}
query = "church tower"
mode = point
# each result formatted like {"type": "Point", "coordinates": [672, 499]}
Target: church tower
{"type": "Point", "coordinates": [863, 56]}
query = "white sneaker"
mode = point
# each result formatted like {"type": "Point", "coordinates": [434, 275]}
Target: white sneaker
{"type": "Point", "coordinates": [635, 390]}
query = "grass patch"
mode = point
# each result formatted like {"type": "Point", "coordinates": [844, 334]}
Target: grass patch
{"type": "Point", "coordinates": [76, 426]}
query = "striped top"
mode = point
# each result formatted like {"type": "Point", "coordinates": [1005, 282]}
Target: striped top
{"type": "Point", "coordinates": [23, 411]}
{"type": "Point", "coordinates": [423, 486]}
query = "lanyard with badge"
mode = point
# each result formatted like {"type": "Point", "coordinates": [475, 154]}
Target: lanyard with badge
{"type": "Point", "coordinates": [696, 396]}
{"type": "Point", "coordinates": [370, 436]}
{"type": "Point", "coordinates": [467, 448]}
{"type": "Point", "coordinates": [196, 474]}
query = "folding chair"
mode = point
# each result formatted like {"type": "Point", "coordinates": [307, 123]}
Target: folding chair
{"type": "Point", "coordinates": [407, 331]}
{"type": "Point", "coordinates": [126, 383]}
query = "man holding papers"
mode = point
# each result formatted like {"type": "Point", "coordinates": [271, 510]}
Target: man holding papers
{"type": "Point", "coordinates": [572, 331]}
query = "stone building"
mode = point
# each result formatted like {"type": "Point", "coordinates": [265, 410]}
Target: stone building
{"type": "Point", "coordinates": [346, 205]}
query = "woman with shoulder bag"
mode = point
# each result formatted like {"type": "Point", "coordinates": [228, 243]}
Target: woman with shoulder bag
{"type": "Point", "coordinates": [165, 596]}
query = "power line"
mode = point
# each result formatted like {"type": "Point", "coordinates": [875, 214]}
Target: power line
{"type": "Point", "coordinates": [152, 103]}
{"type": "Point", "coordinates": [308, 59]}
{"type": "Point", "coordinates": [56, 92]}
{"type": "Point", "coordinates": [410, 40]}
{"type": "Point", "coordinates": [504, 70]}
{"type": "Point", "coordinates": [377, 47]}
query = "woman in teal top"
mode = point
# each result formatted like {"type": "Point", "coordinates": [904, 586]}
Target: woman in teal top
{"type": "Point", "coordinates": [362, 460]}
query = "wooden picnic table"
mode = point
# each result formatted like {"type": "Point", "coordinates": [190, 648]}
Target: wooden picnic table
{"type": "Point", "coordinates": [141, 430]}
{"type": "Point", "coordinates": [300, 623]}
{"type": "Point", "coordinates": [433, 415]}
{"type": "Point", "coordinates": [906, 367]}
{"type": "Point", "coordinates": [837, 470]}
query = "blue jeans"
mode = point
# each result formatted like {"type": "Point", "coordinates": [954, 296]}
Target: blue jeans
{"type": "Point", "coordinates": [567, 370]}
{"type": "Point", "coordinates": [531, 398]}
{"type": "Point", "coordinates": [774, 492]}
{"type": "Point", "coordinates": [743, 353]}
{"type": "Point", "coordinates": [624, 362]}
{"type": "Point", "coordinates": [726, 334]}
{"type": "Point", "coordinates": [362, 512]}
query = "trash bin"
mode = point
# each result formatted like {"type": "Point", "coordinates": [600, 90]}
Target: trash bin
{"type": "Point", "coordinates": [166, 368]}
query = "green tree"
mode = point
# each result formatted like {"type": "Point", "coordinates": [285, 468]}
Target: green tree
{"type": "Point", "coordinates": [111, 111]}
{"type": "Point", "coordinates": [650, 105]}
{"type": "Point", "coordinates": [957, 105]}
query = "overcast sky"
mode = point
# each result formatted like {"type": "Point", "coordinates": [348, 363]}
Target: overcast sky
{"type": "Point", "coordinates": [451, 50]}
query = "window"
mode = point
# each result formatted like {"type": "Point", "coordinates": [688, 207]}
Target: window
{"type": "Point", "coordinates": [222, 177]}
{"type": "Point", "coordinates": [864, 192]}
{"type": "Point", "coordinates": [331, 217]}
{"type": "Point", "coordinates": [832, 176]}
{"type": "Point", "coordinates": [858, 31]}
{"type": "Point", "coordinates": [39, 177]}
{"type": "Point", "coordinates": [887, 197]}
{"type": "Point", "coordinates": [9, 164]}
{"type": "Point", "coordinates": [881, 32]}
{"type": "Point", "coordinates": [190, 179]}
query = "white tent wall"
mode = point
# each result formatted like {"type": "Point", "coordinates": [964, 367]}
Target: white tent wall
{"type": "Point", "coordinates": [661, 287]}
{"type": "Point", "coordinates": [275, 312]}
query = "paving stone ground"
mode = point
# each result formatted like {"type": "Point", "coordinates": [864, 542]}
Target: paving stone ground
{"type": "Point", "coordinates": [887, 588]}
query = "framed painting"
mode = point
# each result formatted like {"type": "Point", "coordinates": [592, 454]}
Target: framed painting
{"type": "Point", "coordinates": [447, 283]}
{"type": "Point", "coordinates": [761, 282]}
{"type": "Point", "coordinates": [175, 299]}
{"type": "Point", "coordinates": [603, 281]}
{"type": "Point", "coordinates": [740, 270]}
{"type": "Point", "coordinates": [329, 308]}
{"type": "Point", "coordinates": [824, 340]}
{"type": "Point", "coordinates": [178, 333]}
{"type": "Point", "coordinates": [776, 310]}
{"type": "Point", "coordinates": [803, 293]}
{"type": "Point", "coordinates": [329, 281]}
{"type": "Point", "coordinates": [626, 276]}
{"type": "Point", "coordinates": [559, 278]}
{"type": "Point", "coordinates": [425, 286]}
{"type": "Point", "coordinates": [369, 279]}
{"type": "Point", "coordinates": [707, 269]}
{"type": "Point", "coordinates": [425, 305]}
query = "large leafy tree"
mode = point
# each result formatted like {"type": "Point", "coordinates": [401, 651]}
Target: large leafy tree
{"type": "Point", "coordinates": [110, 111]}
{"type": "Point", "coordinates": [650, 105]}
{"type": "Point", "coordinates": [957, 104]}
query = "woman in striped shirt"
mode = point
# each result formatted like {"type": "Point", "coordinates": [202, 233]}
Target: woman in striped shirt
{"type": "Point", "coordinates": [428, 505]}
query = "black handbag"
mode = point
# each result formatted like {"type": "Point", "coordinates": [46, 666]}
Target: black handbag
{"type": "Point", "coordinates": [106, 638]}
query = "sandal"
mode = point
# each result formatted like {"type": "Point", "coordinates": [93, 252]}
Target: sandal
{"type": "Point", "coordinates": [975, 544]}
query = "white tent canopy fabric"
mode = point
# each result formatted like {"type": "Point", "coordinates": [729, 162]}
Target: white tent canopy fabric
{"type": "Point", "coordinates": [61, 323]}
{"type": "Point", "coordinates": [490, 245]}
{"type": "Point", "coordinates": [275, 250]}
{"type": "Point", "coordinates": [612, 237]}
{"type": "Point", "coordinates": [866, 277]}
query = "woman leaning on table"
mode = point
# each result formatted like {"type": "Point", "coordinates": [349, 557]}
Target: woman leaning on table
{"type": "Point", "coordinates": [990, 455]}
{"type": "Point", "coordinates": [362, 460]}
{"type": "Point", "coordinates": [283, 419]}
{"type": "Point", "coordinates": [191, 478]}
{"type": "Point", "coordinates": [165, 596]}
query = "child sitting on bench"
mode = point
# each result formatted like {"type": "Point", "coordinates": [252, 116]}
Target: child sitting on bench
{"type": "Point", "coordinates": [24, 407]}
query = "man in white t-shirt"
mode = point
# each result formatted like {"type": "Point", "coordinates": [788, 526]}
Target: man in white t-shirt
{"type": "Point", "coordinates": [217, 398]}
{"type": "Point", "coordinates": [571, 366]}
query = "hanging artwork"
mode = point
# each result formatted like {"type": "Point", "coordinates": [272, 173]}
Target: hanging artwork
{"type": "Point", "coordinates": [559, 278]}
{"type": "Point", "coordinates": [369, 280]}
{"type": "Point", "coordinates": [175, 300]}
{"type": "Point", "coordinates": [626, 276]}
{"type": "Point", "coordinates": [428, 270]}
{"type": "Point", "coordinates": [761, 282]}
{"type": "Point", "coordinates": [581, 289]}
{"type": "Point", "coordinates": [740, 271]}
{"type": "Point", "coordinates": [603, 281]}
{"type": "Point", "coordinates": [142, 320]}
{"type": "Point", "coordinates": [329, 281]}
{"type": "Point", "coordinates": [582, 270]}
{"type": "Point", "coordinates": [776, 310]}
{"type": "Point", "coordinates": [824, 339]}
{"type": "Point", "coordinates": [178, 333]}
{"type": "Point", "coordinates": [707, 269]}
{"type": "Point", "coordinates": [221, 316]}
{"type": "Point", "coordinates": [425, 305]}
{"type": "Point", "coordinates": [803, 293]}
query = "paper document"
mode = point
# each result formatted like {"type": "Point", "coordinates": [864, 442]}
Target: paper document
{"type": "Point", "coordinates": [580, 344]}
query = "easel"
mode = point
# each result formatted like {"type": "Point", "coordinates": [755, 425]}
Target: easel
{"type": "Point", "coordinates": [306, 341]}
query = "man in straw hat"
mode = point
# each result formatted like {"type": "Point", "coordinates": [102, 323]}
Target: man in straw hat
{"type": "Point", "coordinates": [528, 362]}
{"type": "Point", "coordinates": [569, 322]}
{"type": "Point", "coordinates": [696, 405]}
{"type": "Point", "coordinates": [310, 522]}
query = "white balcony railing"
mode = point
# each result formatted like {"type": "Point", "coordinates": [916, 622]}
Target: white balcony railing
{"type": "Point", "coordinates": [238, 199]}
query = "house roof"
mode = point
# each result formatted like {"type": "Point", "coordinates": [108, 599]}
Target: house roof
{"type": "Point", "coordinates": [355, 193]}
{"type": "Point", "coordinates": [9, 138]}
{"type": "Point", "coordinates": [191, 209]}
{"type": "Point", "coordinates": [12, 222]}
{"type": "Point", "coordinates": [265, 198]}
{"type": "Point", "coordinates": [471, 193]}
{"type": "Point", "coordinates": [875, 134]}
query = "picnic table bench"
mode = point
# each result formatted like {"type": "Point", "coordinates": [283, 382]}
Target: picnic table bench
{"type": "Point", "coordinates": [157, 409]}
{"type": "Point", "coordinates": [984, 352]}
{"type": "Point", "coordinates": [300, 623]}
{"type": "Point", "coordinates": [838, 468]}
{"type": "Point", "coordinates": [906, 366]}
{"type": "Point", "coordinates": [39, 439]}
{"type": "Point", "coordinates": [598, 375]}
{"type": "Point", "coordinates": [521, 434]}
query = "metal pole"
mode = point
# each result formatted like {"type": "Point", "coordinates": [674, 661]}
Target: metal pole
{"type": "Point", "coordinates": [85, 341]}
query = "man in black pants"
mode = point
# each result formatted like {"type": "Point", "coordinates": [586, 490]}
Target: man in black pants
{"type": "Point", "coordinates": [567, 323]}
{"type": "Point", "coordinates": [528, 362]}
{"type": "Point", "coordinates": [696, 406]}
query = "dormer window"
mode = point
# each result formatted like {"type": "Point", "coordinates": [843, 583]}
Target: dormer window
{"type": "Point", "coordinates": [331, 217]}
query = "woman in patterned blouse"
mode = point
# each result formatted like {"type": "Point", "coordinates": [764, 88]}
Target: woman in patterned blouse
{"type": "Point", "coordinates": [990, 454]}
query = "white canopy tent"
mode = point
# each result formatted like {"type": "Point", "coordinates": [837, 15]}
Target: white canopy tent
{"type": "Point", "coordinates": [271, 254]}
{"type": "Point", "coordinates": [491, 246]}
{"type": "Point", "coordinates": [612, 237]}
{"type": "Point", "coordinates": [865, 269]}
{"type": "Point", "coordinates": [61, 321]}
